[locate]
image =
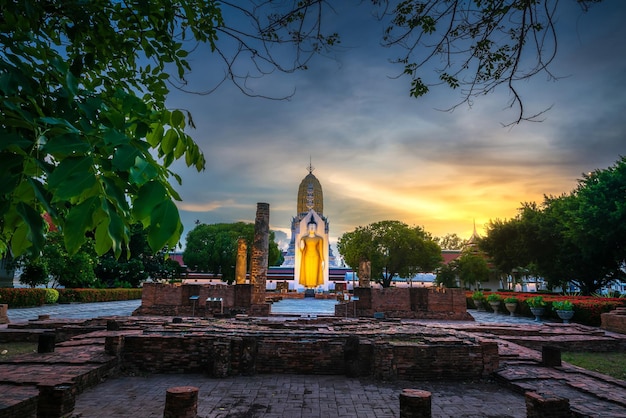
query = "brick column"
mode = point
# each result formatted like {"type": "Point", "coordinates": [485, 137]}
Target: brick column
{"type": "Point", "coordinates": [241, 267]}
{"type": "Point", "coordinates": [55, 400]}
{"type": "Point", "coordinates": [221, 359]}
{"type": "Point", "coordinates": [415, 403]}
{"type": "Point", "coordinates": [46, 342]}
{"type": "Point", "coordinates": [260, 249]}
{"type": "Point", "coordinates": [4, 318]}
{"type": "Point", "coordinates": [181, 402]}
{"type": "Point", "coordinates": [550, 356]}
{"type": "Point", "coordinates": [113, 345]}
{"type": "Point", "coordinates": [546, 404]}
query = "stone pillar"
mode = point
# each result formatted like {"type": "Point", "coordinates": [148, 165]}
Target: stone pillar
{"type": "Point", "coordinates": [249, 351]}
{"type": "Point", "coordinates": [181, 402]}
{"type": "Point", "coordinates": [241, 267]}
{"type": "Point", "coordinates": [546, 404]}
{"type": "Point", "coordinates": [46, 342]}
{"type": "Point", "coordinates": [55, 400]}
{"type": "Point", "coordinates": [550, 356]}
{"type": "Point", "coordinates": [113, 345]}
{"type": "Point", "coordinates": [260, 250]}
{"type": "Point", "coordinates": [365, 272]}
{"type": "Point", "coordinates": [4, 317]}
{"type": "Point", "coordinates": [221, 359]}
{"type": "Point", "coordinates": [415, 403]}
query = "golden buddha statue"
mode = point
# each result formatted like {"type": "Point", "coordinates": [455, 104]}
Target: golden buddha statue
{"type": "Point", "coordinates": [312, 260]}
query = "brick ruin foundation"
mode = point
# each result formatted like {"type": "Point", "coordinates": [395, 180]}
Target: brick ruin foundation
{"type": "Point", "coordinates": [208, 300]}
{"type": "Point", "coordinates": [386, 350]}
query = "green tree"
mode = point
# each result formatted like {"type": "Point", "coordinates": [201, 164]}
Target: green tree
{"type": "Point", "coordinates": [35, 273]}
{"type": "Point", "coordinates": [87, 136]}
{"type": "Point", "coordinates": [450, 242]}
{"type": "Point", "coordinates": [213, 248]}
{"type": "Point", "coordinates": [472, 269]}
{"type": "Point", "coordinates": [69, 270]}
{"type": "Point", "coordinates": [447, 275]}
{"type": "Point", "coordinates": [393, 248]}
{"type": "Point", "coordinates": [576, 238]}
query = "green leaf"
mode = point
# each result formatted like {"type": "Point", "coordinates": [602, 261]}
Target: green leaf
{"type": "Point", "coordinates": [165, 225]}
{"type": "Point", "coordinates": [103, 240]}
{"type": "Point", "coordinates": [155, 136]}
{"type": "Point", "coordinates": [72, 177]}
{"type": "Point", "coordinates": [79, 220]}
{"type": "Point", "coordinates": [35, 224]}
{"type": "Point", "coordinates": [114, 137]}
{"type": "Point", "coordinates": [177, 119]}
{"type": "Point", "coordinates": [59, 122]}
{"type": "Point", "coordinates": [169, 141]}
{"type": "Point", "coordinates": [142, 172]}
{"type": "Point", "coordinates": [149, 196]}
{"type": "Point", "coordinates": [124, 157]}
{"type": "Point", "coordinates": [68, 144]}
{"type": "Point", "coordinates": [20, 242]}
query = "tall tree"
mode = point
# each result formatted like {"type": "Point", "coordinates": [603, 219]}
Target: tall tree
{"type": "Point", "coordinates": [213, 248]}
{"type": "Point", "coordinates": [472, 269]}
{"type": "Point", "coordinates": [87, 136]}
{"type": "Point", "coordinates": [450, 242]}
{"type": "Point", "coordinates": [393, 248]}
{"type": "Point", "coordinates": [577, 238]}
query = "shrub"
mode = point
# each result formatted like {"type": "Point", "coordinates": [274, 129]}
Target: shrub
{"type": "Point", "coordinates": [97, 295]}
{"type": "Point", "coordinates": [494, 297]}
{"type": "Point", "coordinates": [536, 302]}
{"type": "Point", "coordinates": [52, 296]}
{"type": "Point", "coordinates": [562, 305]}
{"type": "Point", "coordinates": [20, 298]}
{"type": "Point", "coordinates": [478, 295]}
{"type": "Point", "coordinates": [511, 299]}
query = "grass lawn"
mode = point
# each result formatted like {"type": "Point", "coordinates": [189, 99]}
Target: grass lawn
{"type": "Point", "coordinates": [8, 350]}
{"type": "Point", "coordinates": [612, 364]}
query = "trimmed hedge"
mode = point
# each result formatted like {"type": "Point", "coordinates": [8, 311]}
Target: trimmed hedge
{"type": "Point", "coordinates": [19, 298]}
{"type": "Point", "coordinates": [97, 295]}
{"type": "Point", "coordinates": [587, 309]}
{"type": "Point", "coordinates": [28, 297]}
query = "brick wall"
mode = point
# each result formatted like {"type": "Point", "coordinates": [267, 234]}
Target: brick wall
{"type": "Point", "coordinates": [614, 321]}
{"type": "Point", "coordinates": [173, 300]}
{"type": "Point", "coordinates": [395, 302]}
{"type": "Point", "coordinates": [338, 355]}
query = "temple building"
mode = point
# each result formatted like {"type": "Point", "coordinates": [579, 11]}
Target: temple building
{"type": "Point", "coordinates": [309, 251]}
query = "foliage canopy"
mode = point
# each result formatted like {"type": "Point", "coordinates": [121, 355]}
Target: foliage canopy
{"type": "Point", "coordinates": [393, 248]}
{"type": "Point", "coordinates": [577, 238]}
{"type": "Point", "coordinates": [213, 248]}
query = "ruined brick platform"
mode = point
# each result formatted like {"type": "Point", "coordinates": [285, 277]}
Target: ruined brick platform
{"type": "Point", "coordinates": [417, 352]}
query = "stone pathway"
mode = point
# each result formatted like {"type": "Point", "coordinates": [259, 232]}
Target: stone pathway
{"type": "Point", "coordinates": [75, 310]}
{"type": "Point", "coordinates": [294, 396]}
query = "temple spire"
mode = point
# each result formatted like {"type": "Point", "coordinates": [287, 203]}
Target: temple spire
{"type": "Point", "coordinates": [310, 167]}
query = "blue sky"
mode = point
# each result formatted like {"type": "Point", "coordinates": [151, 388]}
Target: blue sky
{"type": "Point", "coordinates": [381, 155]}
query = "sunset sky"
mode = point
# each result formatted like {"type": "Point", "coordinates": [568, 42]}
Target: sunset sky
{"type": "Point", "coordinates": [381, 155]}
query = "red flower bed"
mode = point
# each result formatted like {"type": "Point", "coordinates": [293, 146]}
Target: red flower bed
{"type": "Point", "coordinates": [587, 309]}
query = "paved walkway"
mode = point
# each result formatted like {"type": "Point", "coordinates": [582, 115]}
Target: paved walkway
{"type": "Point", "coordinates": [294, 396]}
{"type": "Point", "coordinates": [75, 310]}
{"type": "Point", "coordinates": [126, 308]}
